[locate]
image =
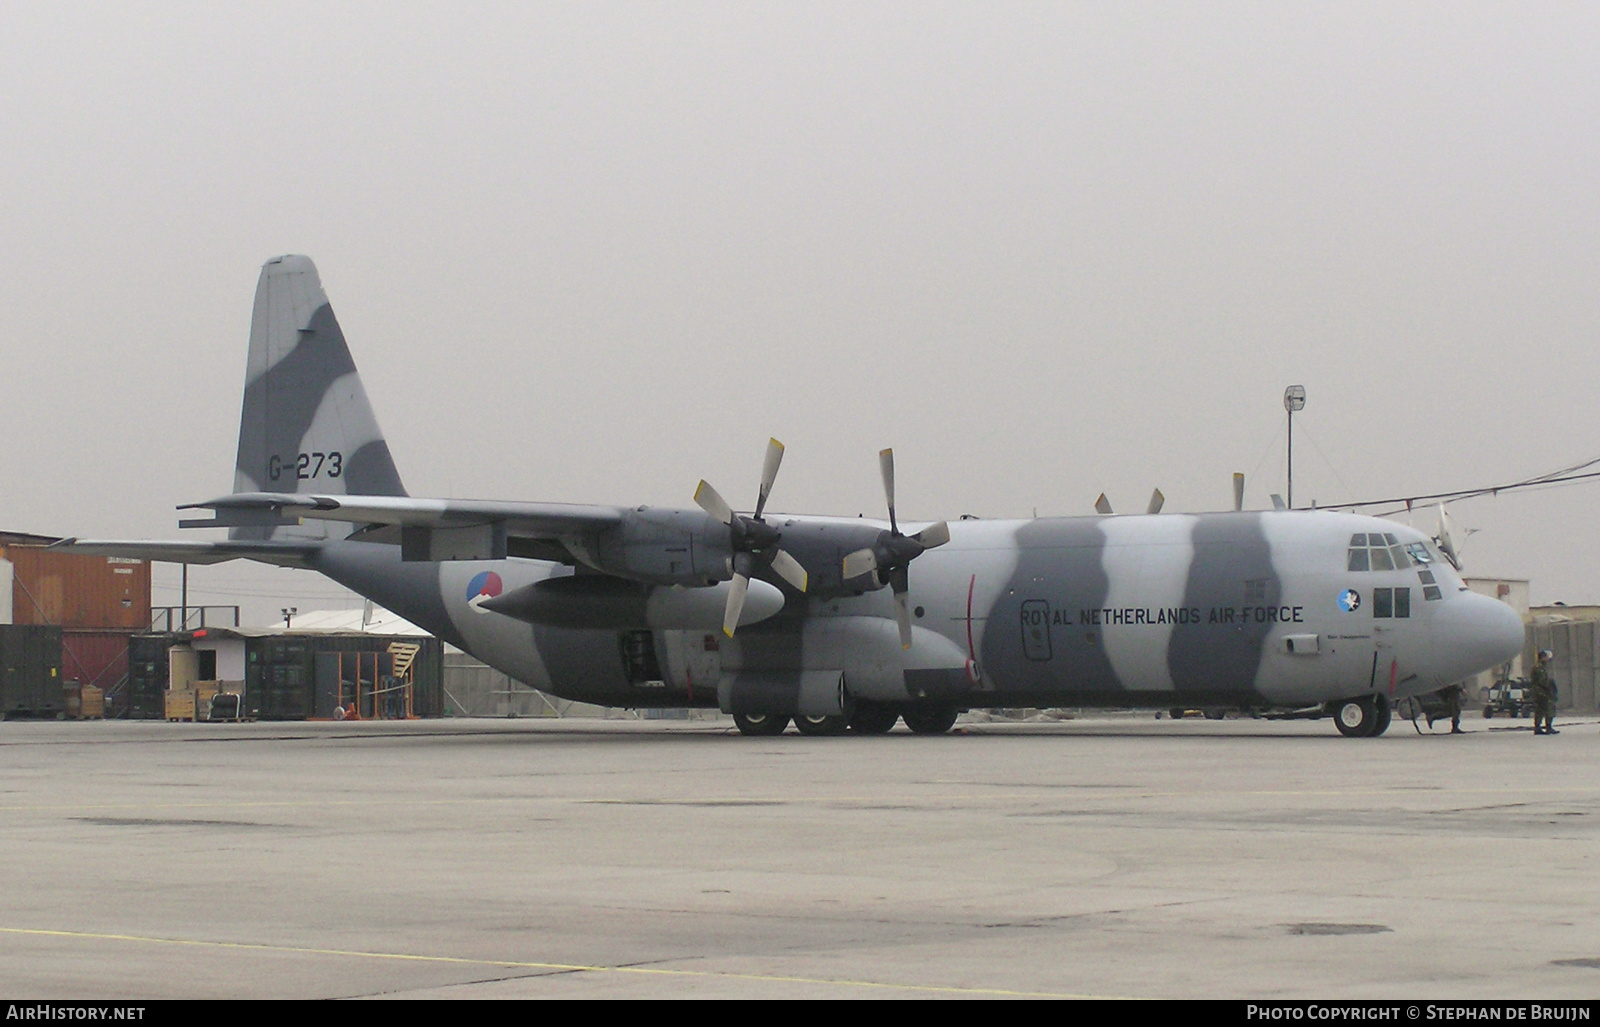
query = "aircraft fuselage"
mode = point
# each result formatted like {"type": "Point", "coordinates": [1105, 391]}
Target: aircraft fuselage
{"type": "Point", "coordinates": [1237, 609]}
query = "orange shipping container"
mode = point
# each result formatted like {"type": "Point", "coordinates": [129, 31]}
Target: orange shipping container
{"type": "Point", "coordinates": [77, 591]}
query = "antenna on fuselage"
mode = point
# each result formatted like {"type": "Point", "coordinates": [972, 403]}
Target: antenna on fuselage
{"type": "Point", "coordinates": [1238, 491]}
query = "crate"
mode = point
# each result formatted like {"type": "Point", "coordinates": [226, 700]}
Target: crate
{"type": "Point", "coordinates": [180, 704]}
{"type": "Point", "coordinates": [84, 702]}
{"type": "Point", "coordinates": [203, 691]}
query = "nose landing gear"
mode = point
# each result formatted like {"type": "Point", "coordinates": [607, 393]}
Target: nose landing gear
{"type": "Point", "coordinates": [1364, 717]}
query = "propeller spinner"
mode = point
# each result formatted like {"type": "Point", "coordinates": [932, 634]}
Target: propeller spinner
{"type": "Point", "coordinates": [754, 542]}
{"type": "Point", "coordinates": [889, 558]}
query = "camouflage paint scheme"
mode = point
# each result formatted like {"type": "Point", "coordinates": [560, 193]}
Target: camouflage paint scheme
{"type": "Point", "coordinates": [622, 607]}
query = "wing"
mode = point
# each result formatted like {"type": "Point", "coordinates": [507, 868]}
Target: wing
{"type": "Point", "coordinates": [283, 554]}
{"type": "Point", "coordinates": [429, 529]}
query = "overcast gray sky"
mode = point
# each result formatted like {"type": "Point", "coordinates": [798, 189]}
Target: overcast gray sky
{"type": "Point", "coordinates": [594, 252]}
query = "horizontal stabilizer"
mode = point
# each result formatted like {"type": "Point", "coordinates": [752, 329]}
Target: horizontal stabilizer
{"type": "Point", "coordinates": [283, 554]}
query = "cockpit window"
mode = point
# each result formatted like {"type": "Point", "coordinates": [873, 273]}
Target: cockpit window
{"type": "Point", "coordinates": [1375, 551]}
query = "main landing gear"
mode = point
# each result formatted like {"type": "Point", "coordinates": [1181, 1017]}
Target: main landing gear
{"type": "Point", "coordinates": [863, 719]}
{"type": "Point", "coordinates": [930, 720]}
{"type": "Point", "coordinates": [1366, 717]}
{"type": "Point", "coordinates": [871, 719]}
{"type": "Point", "coordinates": [760, 724]}
{"type": "Point", "coordinates": [821, 725]}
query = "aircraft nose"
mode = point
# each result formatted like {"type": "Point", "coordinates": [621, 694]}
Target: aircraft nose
{"type": "Point", "coordinates": [1482, 633]}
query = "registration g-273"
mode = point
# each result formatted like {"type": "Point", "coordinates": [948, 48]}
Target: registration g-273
{"type": "Point", "coordinates": [306, 465]}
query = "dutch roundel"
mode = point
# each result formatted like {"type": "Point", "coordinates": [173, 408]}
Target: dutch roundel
{"type": "Point", "coordinates": [486, 585]}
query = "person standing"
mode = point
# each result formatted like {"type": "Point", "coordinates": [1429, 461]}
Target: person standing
{"type": "Point", "coordinates": [1542, 690]}
{"type": "Point", "coordinates": [1452, 698]}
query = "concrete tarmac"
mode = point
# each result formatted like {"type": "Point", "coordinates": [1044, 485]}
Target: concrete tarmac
{"type": "Point", "coordinates": [1109, 856]}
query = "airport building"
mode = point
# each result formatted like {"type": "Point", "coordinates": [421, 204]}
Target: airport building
{"type": "Point", "coordinates": [1572, 634]}
{"type": "Point", "coordinates": [278, 674]}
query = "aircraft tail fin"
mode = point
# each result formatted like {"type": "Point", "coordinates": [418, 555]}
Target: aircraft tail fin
{"type": "Point", "coordinates": [306, 425]}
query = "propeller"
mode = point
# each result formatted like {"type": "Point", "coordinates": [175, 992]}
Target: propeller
{"type": "Point", "coordinates": [1157, 501]}
{"type": "Point", "coordinates": [889, 558]}
{"type": "Point", "coordinates": [754, 542]}
{"type": "Point", "coordinates": [1102, 505]}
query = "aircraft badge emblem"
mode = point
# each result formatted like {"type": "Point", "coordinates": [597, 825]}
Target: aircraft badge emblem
{"type": "Point", "coordinates": [1349, 600]}
{"type": "Point", "coordinates": [485, 585]}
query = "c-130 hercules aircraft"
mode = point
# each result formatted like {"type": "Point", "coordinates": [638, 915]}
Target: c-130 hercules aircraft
{"type": "Point", "coordinates": [833, 623]}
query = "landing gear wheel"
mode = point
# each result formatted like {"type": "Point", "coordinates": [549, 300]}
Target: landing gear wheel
{"type": "Point", "coordinates": [930, 720]}
{"type": "Point", "coordinates": [1385, 714]}
{"type": "Point", "coordinates": [1362, 718]}
{"type": "Point", "coordinates": [760, 724]}
{"type": "Point", "coordinates": [873, 720]}
{"type": "Point", "coordinates": [821, 725]}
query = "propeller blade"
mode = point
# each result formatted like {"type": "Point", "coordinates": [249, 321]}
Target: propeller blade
{"type": "Point", "coordinates": [934, 535]}
{"type": "Point", "coordinates": [886, 465]}
{"type": "Point", "coordinates": [1277, 502]}
{"type": "Point", "coordinates": [789, 570]}
{"type": "Point", "coordinates": [769, 473]}
{"type": "Point", "coordinates": [1238, 491]}
{"type": "Point", "coordinates": [1102, 505]}
{"type": "Point", "coordinates": [712, 503]}
{"type": "Point", "coordinates": [860, 562]}
{"type": "Point", "coordinates": [1157, 500]}
{"type": "Point", "coordinates": [902, 617]}
{"type": "Point", "coordinates": [730, 617]}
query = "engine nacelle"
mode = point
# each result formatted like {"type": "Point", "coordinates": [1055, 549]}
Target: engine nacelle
{"type": "Point", "coordinates": [661, 547]}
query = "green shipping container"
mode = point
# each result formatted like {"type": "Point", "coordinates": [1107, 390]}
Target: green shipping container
{"type": "Point", "coordinates": [30, 671]}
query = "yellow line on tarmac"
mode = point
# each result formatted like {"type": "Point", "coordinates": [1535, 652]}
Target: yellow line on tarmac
{"type": "Point", "coordinates": [560, 967]}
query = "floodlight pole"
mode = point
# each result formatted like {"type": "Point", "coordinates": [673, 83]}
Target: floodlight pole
{"type": "Point", "coordinates": [1294, 398]}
